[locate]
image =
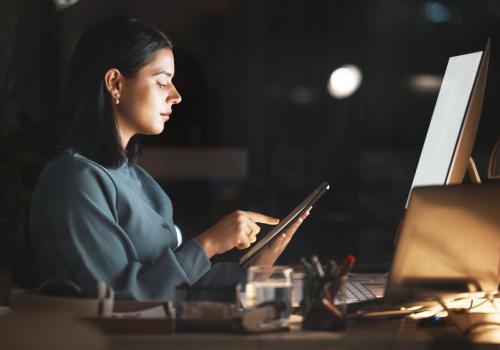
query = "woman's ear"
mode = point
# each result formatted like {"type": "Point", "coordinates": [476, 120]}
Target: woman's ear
{"type": "Point", "coordinates": [113, 81]}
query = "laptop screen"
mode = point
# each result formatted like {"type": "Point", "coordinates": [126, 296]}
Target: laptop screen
{"type": "Point", "coordinates": [449, 240]}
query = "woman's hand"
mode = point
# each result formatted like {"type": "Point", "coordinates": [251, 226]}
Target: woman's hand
{"type": "Point", "coordinates": [271, 253]}
{"type": "Point", "coordinates": [238, 229]}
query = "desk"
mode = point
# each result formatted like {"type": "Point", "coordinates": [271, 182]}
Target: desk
{"type": "Point", "coordinates": [55, 331]}
{"type": "Point", "coordinates": [371, 335]}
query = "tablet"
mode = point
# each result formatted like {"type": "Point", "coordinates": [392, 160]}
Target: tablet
{"type": "Point", "coordinates": [303, 206]}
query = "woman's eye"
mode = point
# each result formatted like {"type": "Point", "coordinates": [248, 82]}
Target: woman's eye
{"type": "Point", "coordinates": [161, 85]}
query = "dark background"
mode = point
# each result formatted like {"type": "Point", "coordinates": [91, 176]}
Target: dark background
{"type": "Point", "coordinates": [253, 77]}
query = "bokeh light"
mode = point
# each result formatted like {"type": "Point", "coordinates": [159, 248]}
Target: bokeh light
{"type": "Point", "coordinates": [344, 81]}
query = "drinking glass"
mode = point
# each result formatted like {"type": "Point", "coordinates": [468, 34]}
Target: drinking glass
{"type": "Point", "coordinates": [269, 283]}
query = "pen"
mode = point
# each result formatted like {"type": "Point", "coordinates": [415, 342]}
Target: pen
{"type": "Point", "coordinates": [340, 272]}
{"type": "Point", "coordinates": [331, 307]}
{"type": "Point", "coordinates": [317, 266]}
{"type": "Point", "coordinates": [308, 286]}
{"type": "Point", "coordinates": [346, 266]}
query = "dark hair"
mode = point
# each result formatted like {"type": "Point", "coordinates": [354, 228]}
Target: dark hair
{"type": "Point", "coordinates": [116, 42]}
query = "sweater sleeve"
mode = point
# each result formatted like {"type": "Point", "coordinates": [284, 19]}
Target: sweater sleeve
{"type": "Point", "coordinates": [74, 222]}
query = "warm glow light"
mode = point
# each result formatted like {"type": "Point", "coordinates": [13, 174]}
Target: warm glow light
{"type": "Point", "coordinates": [344, 81]}
{"type": "Point", "coordinates": [426, 82]}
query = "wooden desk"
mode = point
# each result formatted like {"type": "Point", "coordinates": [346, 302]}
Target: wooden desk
{"type": "Point", "coordinates": [360, 335]}
{"type": "Point", "coordinates": [55, 331]}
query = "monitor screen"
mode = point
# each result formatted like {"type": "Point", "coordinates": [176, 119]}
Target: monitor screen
{"type": "Point", "coordinates": [454, 122]}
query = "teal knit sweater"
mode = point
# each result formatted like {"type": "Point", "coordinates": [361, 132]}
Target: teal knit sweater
{"type": "Point", "coordinates": [89, 223]}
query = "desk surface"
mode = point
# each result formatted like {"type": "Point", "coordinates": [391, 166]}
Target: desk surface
{"type": "Point", "coordinates": [52, 330]}
{"type": "Point", "coordinates": [400, 334]}
{"type": "Point", "coordinates": [62, 331]}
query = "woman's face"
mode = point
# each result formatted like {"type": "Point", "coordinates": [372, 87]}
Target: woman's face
{"type": "Point", "coordinates": [146, 99]}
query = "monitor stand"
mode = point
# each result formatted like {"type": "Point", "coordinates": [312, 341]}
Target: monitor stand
{"type": "Point", "coordinates": [473, 173]}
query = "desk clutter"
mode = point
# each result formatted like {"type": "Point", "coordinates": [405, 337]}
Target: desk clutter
{"type": "Point", "coordinates": [154, 317]}
{"type": "Point", "coordinates": [323, 305]}
{"type": "Point", "coordinates": [476, 315]}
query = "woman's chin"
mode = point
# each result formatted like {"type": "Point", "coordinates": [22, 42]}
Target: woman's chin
{"type": "Point", "coordinates": [158, 129]}
{"type": "Point", "coordinates": [153, 129]}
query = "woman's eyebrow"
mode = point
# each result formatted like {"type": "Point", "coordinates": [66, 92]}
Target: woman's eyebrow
{"type": "Point", "coordinates": [168, 74]}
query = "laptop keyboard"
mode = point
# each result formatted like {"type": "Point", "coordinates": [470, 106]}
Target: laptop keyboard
{"type": "Point", "coordinates": [354, 292]}
{"type": "Point", "coordinates": [360, 287]}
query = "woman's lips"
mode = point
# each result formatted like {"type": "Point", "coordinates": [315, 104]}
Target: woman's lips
{"type": "Point", "coordinates": [165, 116]}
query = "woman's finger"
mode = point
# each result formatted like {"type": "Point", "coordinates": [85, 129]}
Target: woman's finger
{"type": "Point", "coordinates": [243, 241]}
{"type": "Point", "coordinates": [254, 228]}
{"type": "Point", "coordinates": [296, 224]}
{"type": "Point", "coordinates": [308, 211]}
{"type": "Point", "coordinates": [264, 219]}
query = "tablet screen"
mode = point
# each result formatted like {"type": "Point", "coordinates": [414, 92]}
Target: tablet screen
{"type": "Point", "coordinates": [303, 206]}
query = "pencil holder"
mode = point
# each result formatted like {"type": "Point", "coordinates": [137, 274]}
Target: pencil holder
{"type": "Point", "coordinates": [326, 309]}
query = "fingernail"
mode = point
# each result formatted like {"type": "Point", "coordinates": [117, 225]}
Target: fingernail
{"type": "Point", "coordinates": [300, 219]}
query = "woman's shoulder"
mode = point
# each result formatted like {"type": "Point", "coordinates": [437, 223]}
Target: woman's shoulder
{"type": "Point", "coordinates": [73, 168]}
{"type": "Point", "coordinates": [70, 161]}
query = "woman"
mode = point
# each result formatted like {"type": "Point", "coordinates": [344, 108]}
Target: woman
{"type": "Point", "coordinates": [98, 216]}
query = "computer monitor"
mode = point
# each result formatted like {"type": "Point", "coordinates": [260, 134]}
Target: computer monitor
{"type": "Point", "coordinates": [453, 128]}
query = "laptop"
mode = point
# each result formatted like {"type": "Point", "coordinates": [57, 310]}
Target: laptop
{"type": "Point", "coordinates": [449, 242]}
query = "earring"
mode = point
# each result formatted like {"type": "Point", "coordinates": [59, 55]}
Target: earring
{"type": "Point", "coordinates": [116, 95]}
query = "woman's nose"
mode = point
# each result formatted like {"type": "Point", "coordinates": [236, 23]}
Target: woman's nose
{"type": "Point", "coordinates": [174, 96]}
